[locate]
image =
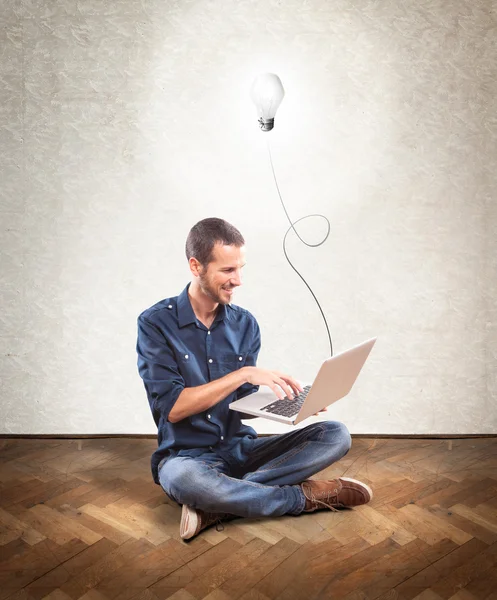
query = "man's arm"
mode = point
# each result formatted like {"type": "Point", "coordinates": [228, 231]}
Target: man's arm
{"type": "Point", "coordinates": [194, 400]}
{"type": "Point", "coordinates": [158, 368]}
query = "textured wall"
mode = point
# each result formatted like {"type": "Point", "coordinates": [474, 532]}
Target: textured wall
{"type": "Point", "coordinates": [123, 123]}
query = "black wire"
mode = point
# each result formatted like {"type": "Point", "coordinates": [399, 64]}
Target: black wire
{"type": "Point", "coordinates": [303, 241]}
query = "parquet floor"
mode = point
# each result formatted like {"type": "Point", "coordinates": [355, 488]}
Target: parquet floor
{"type": "Point", "coordinates": [82, 519]}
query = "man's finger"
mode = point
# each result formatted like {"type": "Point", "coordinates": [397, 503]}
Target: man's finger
{"type": "Point", "coordinates": [277, 390]}
{"type": "Point", "coordinates": [295, 385]}
{"type": "Point", "coordinates": [298, 388]}
{"type": "Point", "coordinates": [293, 382]}
{"type": "Point", "coordinates": [286, 389]}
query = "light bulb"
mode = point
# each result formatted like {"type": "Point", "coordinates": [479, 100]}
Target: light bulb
{"type": "Point", "coordinates": [267, 93]}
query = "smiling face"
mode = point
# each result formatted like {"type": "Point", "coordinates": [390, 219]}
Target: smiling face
{"type": "Point", "coordinates": [223, 274]}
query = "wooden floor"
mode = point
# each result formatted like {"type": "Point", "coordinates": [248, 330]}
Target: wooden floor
{"type": "Point", "coordinates": [83, 519]}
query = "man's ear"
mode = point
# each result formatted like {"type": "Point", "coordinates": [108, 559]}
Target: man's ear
{"type": "Point", "coordinates": [195, 266]}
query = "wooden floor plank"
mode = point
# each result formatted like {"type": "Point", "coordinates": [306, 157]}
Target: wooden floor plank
{"type": "Point", "coordinates": [447, 530]}
{"type": "Point", "coordinates": [103, 529]}
{"type": "Point", "coordinates": [439, 569]}
{"type": "Point", "coordinates": [483, 585]}
{"type": "Point", "coordinates": [237, 584]}
{"type": "Point", "coordinates": [110, 562]}
{"type": "Point", "coordinates": [472, 514]}
{"type": "Point", "coordinates": [467, 525]}
{"type": "Point", "coordinates": [19, 571]}
{"type": "Point", "coordinates": [141, 572]}
{"type": "Point", "coordinates": [202, 585]}
{"type": "Point", "coordinates": [464, 574]}
{"type": "Point", "coordinates": [391, 571]}
{"type": "Point", "coordinates": [13, 528]}
{"type": "Point", "coordinates": [64, 572]}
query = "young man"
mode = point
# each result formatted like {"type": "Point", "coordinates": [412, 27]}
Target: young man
{"type": "Point", "coordinates": [197, 352]}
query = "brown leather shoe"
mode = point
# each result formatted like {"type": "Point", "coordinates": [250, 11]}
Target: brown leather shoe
{"type": "Point", "coordinates": [193, 521]}
{"type": "Point", "coordinates": [334, 494]}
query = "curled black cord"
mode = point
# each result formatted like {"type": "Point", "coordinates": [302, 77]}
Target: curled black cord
{"type": "Point", "coordinates": [303, 241]}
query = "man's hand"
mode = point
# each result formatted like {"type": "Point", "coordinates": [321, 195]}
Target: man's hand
{"type": "Point", "coordinates": [276, 380]}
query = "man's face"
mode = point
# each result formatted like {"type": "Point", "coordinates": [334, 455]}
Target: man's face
{"type": "Point", "coordinates": [221, 276]}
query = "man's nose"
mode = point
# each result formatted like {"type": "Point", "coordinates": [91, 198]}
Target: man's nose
{"type": "Point", "coordinates": [237, 279]}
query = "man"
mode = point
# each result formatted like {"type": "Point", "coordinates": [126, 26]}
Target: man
{"type": "Point", "coordinates": [197, 352]}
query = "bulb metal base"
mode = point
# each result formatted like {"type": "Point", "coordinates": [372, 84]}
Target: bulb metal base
{"type": "Point", "coordinates": [266, 124]}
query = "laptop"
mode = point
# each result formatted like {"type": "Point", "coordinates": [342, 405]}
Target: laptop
{"type": "Point", "coordinates": [334, 380]}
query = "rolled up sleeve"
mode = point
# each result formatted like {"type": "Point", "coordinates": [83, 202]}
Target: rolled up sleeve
{"type": "Point", "coordinates": [158, 368]}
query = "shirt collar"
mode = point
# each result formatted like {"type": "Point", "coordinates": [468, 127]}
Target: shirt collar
{"type": "Point", "coordinates": [186, 316]}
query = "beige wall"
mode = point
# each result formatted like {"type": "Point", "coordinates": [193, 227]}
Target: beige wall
{"type": "Point", "coordinates": [123, 123]}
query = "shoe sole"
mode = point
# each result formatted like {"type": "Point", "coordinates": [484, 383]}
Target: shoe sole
{"type": "Point", "coordinates": [189, 522]}
{"type": "Point", "coordinates": [360, 483]}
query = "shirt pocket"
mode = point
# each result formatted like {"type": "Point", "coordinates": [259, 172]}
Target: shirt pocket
{"type": "Point", "coordinates": [230, 361]}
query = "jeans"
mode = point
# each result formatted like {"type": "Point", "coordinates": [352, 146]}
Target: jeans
{"type": "Point", "coordinates": [258, 477]}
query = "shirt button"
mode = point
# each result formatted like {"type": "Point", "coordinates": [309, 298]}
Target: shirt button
{"type": "Point", "coordinates": [170, 306]}
{"type": "Point", "coordinates": [210, 360]}
{"type": "Point", "coordinates": [240, 358]}
{"type": "Point", "coordinates": [208, 333]}
{"type": "Point", "coordinates": [186, 355]}
{"type": "Point", "coordinates": [208, 416]}
{"type": "Point", "coordinates": [222, 437]}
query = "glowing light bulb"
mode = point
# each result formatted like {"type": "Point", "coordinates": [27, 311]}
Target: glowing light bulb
{"type": "Point", "coordinates": [267, 93]}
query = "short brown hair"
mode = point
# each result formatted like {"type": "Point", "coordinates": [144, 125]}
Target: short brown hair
{"type": "Point", "coordinates": [205, 234]}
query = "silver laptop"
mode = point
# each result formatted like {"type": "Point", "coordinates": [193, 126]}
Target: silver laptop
{"type": "Point", "coordinates": [334, 380]}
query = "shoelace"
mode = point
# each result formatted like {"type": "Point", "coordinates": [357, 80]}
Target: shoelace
{"type": "Point", "coordinates": [217, 520]}
{"type": "Point", "coordinates": [326, 502]}
{"type": "Point", "coordinates": [219, 525]}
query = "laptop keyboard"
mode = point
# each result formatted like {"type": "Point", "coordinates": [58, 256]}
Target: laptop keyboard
{"type": "Point", "coordinates": [288, 407]}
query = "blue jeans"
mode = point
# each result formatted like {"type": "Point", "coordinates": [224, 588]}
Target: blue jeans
{"type": "Point", "coordinates": [257, 477]}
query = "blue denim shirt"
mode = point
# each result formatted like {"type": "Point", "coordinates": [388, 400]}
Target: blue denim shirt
{"type": "Point", "coordinates": [175, 350]}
